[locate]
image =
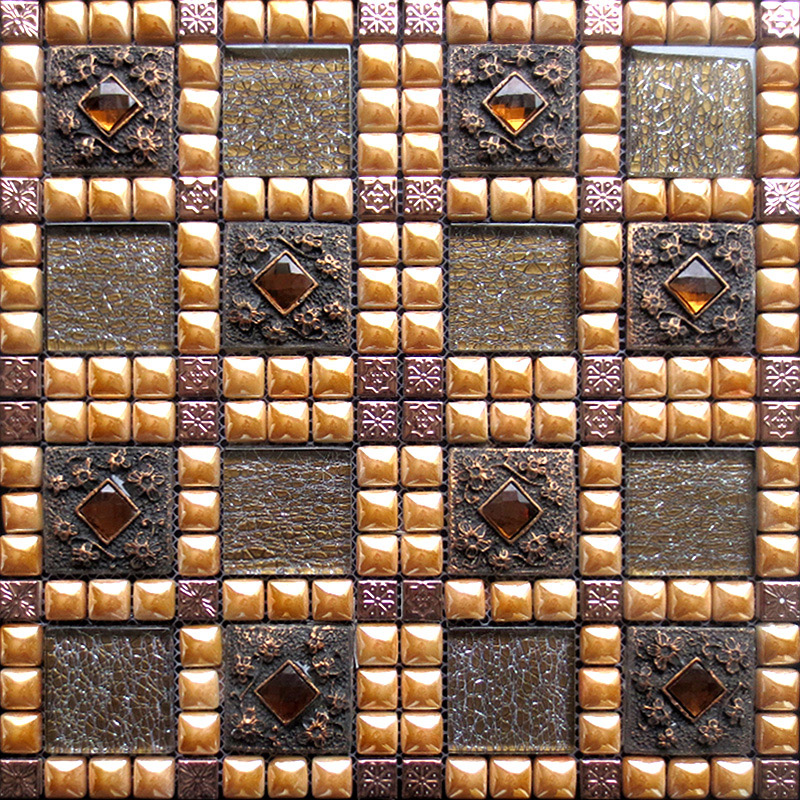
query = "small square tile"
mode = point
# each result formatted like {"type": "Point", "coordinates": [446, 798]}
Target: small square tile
{"type": "Point", "coordinates": [377, 19]}
{"type": "Point", "coordinates": [81, 138]}
{"type": "Point", "coordinates": [424, 377]}
{"type": "Point", "coordinates": [377, 421]}
{"type": "Point", "coordinates": [423, 197]}
{"type": "Point", "coordinates": [691, 690]}
{"type": "Point", "coordinates": [512, 512]}
{"type": "Point", "coordinates": [779, 377]}
{"type": "Point", "coordinates": [286, 286]}
{"type": "Point", "coordinates": [20, 199]}
{"type": "Point", "coordinates": [601, 377]}
{"type": "Point", "coordinates": [423, 601]}
{"type": "Point", "coordinates": [423, 421]}
{"type": "Point", "coordinates": [377, 197]}
{"type": "Point", "coordinates": [288, 688]}
{"type": "Point", "coordinates": [601, 779]}
{"type": "Point", "coordinates": [779, 21]}
{"type": "Point", "coordinates": [198, 601]}
{"type": "Point", "coordinates": [601, 421]}
{"type": "Point", "coordinates": [21, 778]}
{"type": "Point", "coordinates": [690, 287]}
{"type": "Point", "coordinates": [779, 198]}
{"type": "Point", "coordinates": [488, 132]}
{"type": "Point", "coordinates": [20, 422]}
{"type": "Point", "coordinates": [20, 601]}
{"type": "Point", "coordinates": [421, 778]}
{"type": "Point", "coordinates": [376, 778]}
{"type": "Point", "coordinates": [198, 421]}
{"type": "Point", "coordinates": [423, 20]}
{"type": "Point", "coordinates": [778, 779]}
{"type": "Point", "coordinates": [778, 601]}
{"type": "Point", "coordinates": [197, 778]}
{"type": "Point", "coordinates": [197, 376]}
{"type": "Point", "coordinates": [779, 422]}
{"type": "Point", "coordinates": [376, 601]}
{"type": "Point", "coordinates": [376, 377]}
{"type": "Point", "coordinates": [198, 198]}
{"type": "Point", "coordinates": [601, 601]}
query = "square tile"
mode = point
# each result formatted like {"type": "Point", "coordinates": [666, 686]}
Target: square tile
{"type": "Point", "coordinates": [690, 691]}
{"type": "Point", "coordinates": [288, 688]}
{"type": "Point", "coordinates": [529, 710]}
{"type": "Point", "coordinates": [690, 512]}
{"type": "Point", "coordinates": [512, 287]}
{"type": "Point", "coordinates": [110, 110]}
{"type": "Point", "coordinates": [287, 287]}
{"type": "Point", "coordinates": [108, 511]}
{"type": "Point", "coordinates": [681, 97]}
{"type": "Point", "coordinates": [691, 287]}
{"type": "Point", "coordinates": [287, 512]}
{"type": "Point", "coordinates": [512, 511]}
{"type": "Point", "coordinates": [88, 671]}
{"type": "Point", "coordinates": [512, 108]}
{"type": "Point", "coordinates": [286, 111]}
{"type": "Point", "coordinates": [97, 273]}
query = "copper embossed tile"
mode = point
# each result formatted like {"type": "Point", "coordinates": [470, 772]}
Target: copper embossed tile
{"type": "Point", "coordinates": [690, 512]}
{"type": "Point", "coordinates": [287, 512]}
{"type": "Point", "coordinates": [690, 690]}
{"type": "Point", "coordinates": [691, 112]}
{"type": "Point", "coordinates": [511, 690]}
{"type": "Point", "coordinates": [98, 273]}
{"type": "Point", "coordinates": [512, 512]}
{"type": "Point", "coordinates": [109, 690]}
{"type": "Point", "coordinates": [286, 111]}
{"type": "Point", "coordinates": [512, 287]}
{"type": "Point", "coordinates": [288, 688]}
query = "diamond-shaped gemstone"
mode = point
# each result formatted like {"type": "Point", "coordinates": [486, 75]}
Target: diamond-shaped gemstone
{"type": "Point", "coordinates": [696, 285]}
{"type": "Point", "coordinates": [510, 511]}
{"type": "Point", "coordinates": [107, 510]}
{"type": "Point", "coordinates": [515, 103]}
{"type": "Point", "coordinates": [288, 692]}
{"type": "Point", "coordinates": [694, 689]}
{"type": "Point", "coordinates": [284, 282]}
{"type": "Point", "coordinates": [109, 105]}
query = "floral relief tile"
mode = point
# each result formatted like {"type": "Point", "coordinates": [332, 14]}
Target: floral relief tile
{"type": "Point", "coordinates": [691, 287]}
{"type": "Point", "coordinates": [108, 511]}
{"type": "Point", "coordinates": [691, 691]}
{"type": "Point", "coordinates": [110, 109]}
{"type": "Point", "coordinates": [288, 688]}
{"type": "Point", "coordinates": [287, 287]}
{"type": "Point", "coordinates": [512, 512]}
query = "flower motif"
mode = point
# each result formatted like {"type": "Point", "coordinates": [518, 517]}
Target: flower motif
{"type": "Point", "coordinates": [60, 79]}
{"type": "Point", "coordinates": [273, 332]}
{"type": "Point", "coordinates": [18, 601]}
{"type": "Point", "coordinates": [245, 316]}
{"type": "Point", "coordinates": [85, 553]}
{"type": "Point", "coordinates": [501, 559]}
{"type": "Point", "coordinates": [672, 326]}
{"type": "Point", "coordinates": [656, 712]}
{"type": "Point", "coordinates": [645, 258]}
{"type": "Point", "coordinates": [308, 322]}
{"type": "Point", "coordinates": [489, 67]}
{"type": "Point", "coordinates": [493, 146]}
{"type": "Point", "coordinates": [475, 475]}
{"type": "Point", "coordinates": [471, 540]}
{"type": "Point", "coordinates": [66, 121]}
{"type": "Point", "coordinates": [643, 678]}
{"type": "Point", "coordinates": [550, 144]}
{"type": "Point", "coordinates": [666, 738]}
{"type": "Point", "coordinates": [334, 310]}
{"type": "Point", "coordinates": [732, 656]}
{"type": "Point", "coordinates": [147, 481]}
{"type": "Point", "coordinates": [554, 72]}
{"type": "Point", "coordinates": [535, 548]}
{"type": "Point", "coordinates": [269, 649]}
{"type": "Point", "coordinates": [144, 143]}
{"type": "Point", "coordinates": [83, 473]}
{"type": "Point", "coordinates": [118, 460]}
{"type": "Point", "coordinates": [57, 484]}
{"type": "Point", "coordinates": [150, 75]}
{"type": "Point", "coordinates": [464, 77]}
{"type": "Point", "coordinates": [710, 733]}
{"type": "Point", "coordinates": [664, 649]}
{"type": "Point", "coordinates": [325, 667]}
{"type": "Point", "coordinates": [330, 266]}
{"type": "Point", "coordinates": [471, 122]}
{"type": "Point", "coordinates": [735, 711]}
{"type": "Point", "coordinates": [732, 252]}
{"type": "Point", "coordinates": [248, 246]}
{"type": "Point", "coordinates": [195, 601]}
{"type": "Point", "coordinates": [85, 66]}
{"type": "Point", "coordinates": [653, 302]}
{"type": "Point", "coordinates": [705, 235]}
{"type": "Point", "coordinates": [316, 640]}
{"type": "Point", "coordinates": [671, 247]}
{"type": "Point", "coordinates": [243, 668]}
{"type": "Point", "coordinates": [87, 149]}
{"type": "Point", "coordinates": [553, 491]}
{"type": "Point", "coordinates": [727, 323]}
{"type": "Point", "coordinates": [317, 731]}
{"type": "Point", "coordinates": [141, 553]}
{"type": "Point", "coordinates": [560, 536]}
{"type": "Point", "coordinates": [248, 726]}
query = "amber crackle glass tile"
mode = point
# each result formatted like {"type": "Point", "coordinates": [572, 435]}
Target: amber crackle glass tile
{"type": "Point", "coordinates": [286, 111]}
{"type": "Point", "coordinates": [287, 512]}
{"type": "Point", "coordinates": [691, 112]}
{"type": "Point", "coordinates": [690, 512]}
{"type": "Point", "coordinates": [88, 671]}
{"type": "Point", "coordinates": [496, 707]}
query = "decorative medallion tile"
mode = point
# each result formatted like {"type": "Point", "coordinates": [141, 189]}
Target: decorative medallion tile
{"type": "Point", "coordinates": [287, 511]}
{"type": "Point", "coordinates": [691, 690]}
{"type": "Point", "coordinates": [518, 710]}
{"type": "Point", "coordinates": [512, 287]}
{"type": "Point", "coordinates": [288, 688]}
{"type": "Point", "coordinates": [512, 512]}
{"type": "Point", "coordinates": [512, 108]}
{"type": "Point", "coordinates": [287, 287]}
{"type": "Point", "coordinates": [286, 110]}
{"type": "Point", "coordinates": [691, 287]}
{"type": "Point", "coordinates": [690, 512]}
{"type": "Point", "coordinates": [109, 690]}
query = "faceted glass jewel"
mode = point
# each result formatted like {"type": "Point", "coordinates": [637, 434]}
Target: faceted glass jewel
{"type": "Point", "coordinates": [696, 285]}
{"type": "Point", "coordinates": [107, 510]}
{"type": "Point", "coordinates": [109, 105]}
{"type": "Point", "coordinates": [288, 692]}
{"type": "Point", "coordinates": [515, 103]}
{"type": "Point", "coordinates": [694, 689]}
{"type": "Point", "coordinates": [510, 511]}
{"type": "Point", "coordinates": [284, 282]}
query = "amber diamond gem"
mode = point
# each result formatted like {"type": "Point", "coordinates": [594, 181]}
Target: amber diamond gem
{"type": "Point", "coordinates": [288, 692]}
{"type": "Point", "coordinates": [696, 285]}
{"type": "Point", "coordinates": [515, 103]}
{"type": "Point", "coordinates": [510, 511]}
{"type": "Point", "coordinates": [284, 282]}
{"type": "Point", "coordinates": [107, 510]}
{"type": "Point", "coordinates": [694, 689]}
{"type": "Point", "coordinates": [109, 105]}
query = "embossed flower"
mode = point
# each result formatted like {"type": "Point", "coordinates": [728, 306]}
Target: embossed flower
{"type": "Point", "coordinates": [67, 121]}
{"type": "Point", "coordinates": [653, 302]}
{"type": "Point", "coordinates": [471, 122]}
{"type": "Point", "coordinates": [554, 72]}
{"type": "Point", "coordinates": [147, 481]}
{"type": "Point", "coordinates": [711, 732]}
{"type": "Point", "coordinates": [733, 254]}
{"type": "Point", "coordinates": [244, 315]}
{"type": "Point", "coordinates": [144, 143]}
{"type": "Point", "coordinates": [150, 75]}
{"type": "Point", "coordinates": [493, 146]}
{"type": "Point", "coordinates": [671, 247]}
{"type": "Point", "coordinates": [656, 712]}
{"type": "Point", "coordinates": [550, 143]}
{"type": "Point", "coordinates": [732, 656]}
{"type": "Point", "coordinates": [664, 649]}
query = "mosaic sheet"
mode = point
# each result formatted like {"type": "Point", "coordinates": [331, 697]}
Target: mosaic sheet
{"type": "Point", "coordinates": [399, 399]}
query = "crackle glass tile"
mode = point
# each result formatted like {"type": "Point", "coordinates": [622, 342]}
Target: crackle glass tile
{"type": "Point", "coordinates": [287, 512]}
{"type": "Point", "coordinates": [109, 690]}
{"type": "Point", "coordinates": [495, 706]}
{"type": "Point", "coordinates": [286, 110]}
{"type": "Point", "coordinates": [690, 512]}
{"type": "Point", "coordinates": [97, 273]}
{"type": "Point", "coordinates": [691, 112]}
{"type": "Point", "coordinates": [512, 287]}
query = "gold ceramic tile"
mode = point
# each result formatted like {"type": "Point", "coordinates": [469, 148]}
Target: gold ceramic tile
{"type": "Point", "coordinates": [377, 555]}
{"type": "Point", "coordinates": [332, 600]}
{"type": "Point", "coordinates": [778, 112]}
{"type": "Point", "coordinates": [243, 199]}
{"type": "Point", "coordinates": [287, 21]}
{"type": "Point", "coordinates": [109, 600]}
{"type": "Point", "coordinates": [198, 288]}
{"type": "Point", "coordinates": [555, 422]}
{"type": "Point", "coordinates": [556, 199]}
{"type": "Point", "coordinates": [510, 777]}
{"type": "Point", "coordinates": [511, 199]}
{"type": "Point", "coordinates": [511, 22]}
{"type": "Point", "coordinates": [601, 67]}
{"type": "Point", "coordinates": [154, 199]}
{"type": "Point", "coordinates": [423, 110]}
{"type": "Point", "coordinates": [466, 777]}
{"type": "Point", "coordinates": [599, 733]}
{"type": "Point", "coordinates": [199, 66]}
{"type": "Point", "coordinates": [598, 154]}
{"type": "Point", "coordinates": [777, 289]}
{"type": "Point", "coordinates": [109, 22]}
{"type": "Point", "coordinates": [332, 198]}
{"type": "Point", "coordinates": [422, 154]}
{"type": "Point", "coordinates": [554, 21]}
{"type": "Point", "coordinates": [467, 21]}
{"type": "Point", "coordinates": [645, 600]}
{"type": "Point", "coordinates": [65, 600]}
{"type": "Point", "coordinates": [732, 199]}
{"type": "Point", "coordinates": [287, 777]}
{"type": "Point", "coordinates": [154, 600]}
{"type": "Point", "coordinates": [645, 22]}
{"type": "Point", "coordinates": [467, 422]}
{"type": "Point", "coordinates": [65, 199]}
{"type": "Point", "coordinates": [600, 110]}
{"type": "Point", "coordinates": [420, 466]}
{"type": "Point", "coordinates": [198, 466]}
{"type": "Point", "coordinates": [422, 287]}
{"type": "Point", "coordinates": [555, 600]}
{"type": "Point", "coordinates": [332, 21]}
{"type": "Point", "coordinates": [243, 21]}
{"type": "Point", "coordinates": [21, 288]}
{"type": "Point", "coordinates": [732, 601]}
{"type": "Point", "coordinates": [243, 776]}
{"type": "Point", "coordinates": [510, 422]}
{"type": "Point", "coordinates": [66, 22]}
{"type": "Point", "coordinates": [689, 199]}
{"type": "Point", "coordinates": [511, 601]}
{"type": "Point", "coordinates": [422, 244]}
{"type": "Point", "coordinates": [467, 199]}
{"type": "Point", "coordinates": [198, 555]}
{"type": "Point", "coordinates": [688, 22]}
{"type": "Point", "coordinates": [733, 23]}
{"type": "Point", "coordinates": [645, 198]}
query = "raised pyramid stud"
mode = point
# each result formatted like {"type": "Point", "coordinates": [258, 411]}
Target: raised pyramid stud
{"type": "Point", "coordinates": [109, 105]}
{"type": "Point", "coordinates": [694, 689]}
{"type": "Point", "coordinates": [514, 103]}
{"type": "Point", "coordinates": [510, 511]}
{"type": "Point", "coordinates": [288, 692]}
{"type": "Point", "coordinates": [107, 510]}
{"type": "Point", "coordinates": [284, 282]}
{"type": "Point", "coordinates": [696, 285]}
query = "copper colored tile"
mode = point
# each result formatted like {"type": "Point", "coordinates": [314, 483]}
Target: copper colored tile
{"type": "Point", "coordinates": [423, 601]}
